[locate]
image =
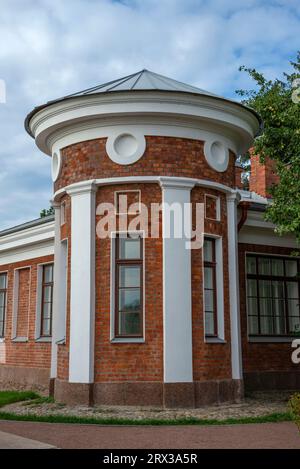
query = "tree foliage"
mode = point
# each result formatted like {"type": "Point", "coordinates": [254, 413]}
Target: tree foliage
{"type": "Point", "coordinates": [46, 212]}
{"type": "Point", "coordinates": [278, 103]}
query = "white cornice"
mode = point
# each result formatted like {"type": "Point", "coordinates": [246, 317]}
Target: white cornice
{"type": "Point", "coordinates": [24, 238]}
{"type": "Point", "coordinates": [227, 116]}
{"type": "Point", "coordinates": [161, 180]}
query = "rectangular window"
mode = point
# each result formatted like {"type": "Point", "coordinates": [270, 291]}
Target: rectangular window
{"type": "Point", "coordinates": [212, 207]}
{"type": "Point", "coordinates": [3, 296]}
{"type": "Point", "coordinates": [47, 300]}
{"type": "Point", "coordinates": [273, 287]}
{"type": "Point", "coordinates": [129, 285]}
{"type": "Point", "coordinates": [210, 297]}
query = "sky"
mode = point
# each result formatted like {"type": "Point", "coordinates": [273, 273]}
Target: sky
{"type": "Point", "coordinates": [50, 48]}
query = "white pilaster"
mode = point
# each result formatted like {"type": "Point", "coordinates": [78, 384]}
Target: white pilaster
{"type": "Point", "coordinates": [56, 292]}
{"type": "Point", "coordinates": [177, 303]}
{"type": "Point", "coordinates": [236, 349]}
{"type": "Point", "coordinates": [82, 314]}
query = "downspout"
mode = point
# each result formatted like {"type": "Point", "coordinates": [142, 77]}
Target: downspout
{"type": "Point", "coordinates": [244, 206]}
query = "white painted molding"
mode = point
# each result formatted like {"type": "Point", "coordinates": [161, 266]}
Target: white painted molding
{"type": "Point", "coordinates": [266, 237]}
{"type": "Point", "coordinates": [125, 147]}
{"type": "Point", "coordinates": [235, 327]}
{"type": "Point", "coordinates": [56, 165]}
{"type": "Point", "coordinates": [177, 295]}
{"type": "Point", "coordinates": [27, 237]}
{"type": "Point", "coordinates": [216, 154]}
{"type": "Point", "coordinates": [82, 307]}
{"type": "Point", "coordinates": [162, 180]}
{"type": "Point", "coordinates": [226, 117]}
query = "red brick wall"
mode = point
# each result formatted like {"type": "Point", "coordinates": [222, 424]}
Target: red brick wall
{"type": "Point", "coordinates": [30, 353]}
{"type": "Point", "coordinates": [23, 302]}
{"type": "Point", "coordinates": [262, 176]}
{"type": "Point", "coordinates": [164, 156]}
{"type": "Point", "coordinates": [121, 361]}
{"type": "Point", "coordinates": [261, 356]}
{"type": "Point", "coordinates": [210, 361]}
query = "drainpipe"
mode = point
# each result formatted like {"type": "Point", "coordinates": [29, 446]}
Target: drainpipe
{"type": "Point", "coordinates": [244, 206]}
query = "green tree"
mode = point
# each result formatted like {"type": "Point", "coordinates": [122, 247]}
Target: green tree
{"type": "Point", "coordinates": [278, 102]}
{"type": "Point", "coordinates": [46, 212]}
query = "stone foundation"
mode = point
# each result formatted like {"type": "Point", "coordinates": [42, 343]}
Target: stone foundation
{"type": "Point", "coordinates": [168, 395]}
{"type": "Point", "coordinates": [272, 380]}
{"type": "Point", "coordinates": [19, 377]}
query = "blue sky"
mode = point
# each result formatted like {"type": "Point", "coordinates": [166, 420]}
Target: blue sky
{"type": "Point", "coordinates": [49, 48]}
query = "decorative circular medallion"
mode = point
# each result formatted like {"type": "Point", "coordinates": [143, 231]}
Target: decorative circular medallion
{"type": "Point", "coordinates": [127, 147]}
{"type": "Point", "coordinates": [56, 166]}
{"type": "Point", "coordinates": [217, 155]}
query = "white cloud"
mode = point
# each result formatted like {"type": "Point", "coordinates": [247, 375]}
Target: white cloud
{"type": "Point", "coordinates": [50, 48]}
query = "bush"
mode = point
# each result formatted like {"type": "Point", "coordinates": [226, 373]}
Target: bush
{"type": "Point", "coordinates": [295, 408]}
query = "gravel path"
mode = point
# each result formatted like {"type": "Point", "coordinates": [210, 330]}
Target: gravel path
{"type": "Point", "coordinates": [257, 404]}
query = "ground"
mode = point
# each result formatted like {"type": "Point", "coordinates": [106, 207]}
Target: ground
{"type": "Point", "coordinates": [254, 405]}
{"type": "Point", "coordinates": [258, 407]}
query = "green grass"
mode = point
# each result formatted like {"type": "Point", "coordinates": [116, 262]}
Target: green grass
{"type": "Point", "coordinates": [271, 418]}
{"type": "Point", "coordinates": [9, 397]}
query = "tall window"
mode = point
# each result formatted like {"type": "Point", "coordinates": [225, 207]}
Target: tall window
{"type": "Point", "coordinates": [47, 301]}
{"type": "Point", "coordinates": [129, 286]}
{"type": "Point", "coordinates": [3, 295]}
{"type": "Point", "coordinates": [273, 288]}
{"type": "Point", "coordinates": [210, 301]}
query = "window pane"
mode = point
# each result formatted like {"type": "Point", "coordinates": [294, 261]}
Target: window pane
{"type": "Point", "coordinates": [279, 307]}
{"type": "Point", "coordinates": [129, 323]}
{"type": "Point", "coordinates": [208, 277]}
{"type": "Point", "coordinates": [208, 250]}
{"type": "Point", "coordinates": [47, 310]}
{"type": "Point", "coordinates": [2, 299]}
{"type": "Point", "coordinates": [129, 300]}
{"type": "Point", "coordinates": [252, 306]}
{"type": "Point", "coordinates": [278, 289]}
{"type": "Point", "coordinates": [266, 325]}
{"type": "Point", "coordinates": [292, 289]}
{"type": "Point", "coordinates": [209, 300]}
{"type": "Point", "coordinates": [47, 294]}
{"type": "Point", "coordinates": [209, 323]}
{"type": "Point", "coordinates": [277, 267]}
{"type": "Point", "coordinates": [251, 287]}
{"type": "Point", "coordinates": [294, 323]}
{"type": "Point", "coordinates": [279, 325]}
{"type": "Point", "coordinates": [265, 305]}
{"type": "Point", "coordinates": [130, 248]}
{"type": "Point", "coordinates": [265, 288]}
{"type": "Point", "coordinates": [3, 278]}
{"type": "Point", "coordinates": [264, 266]}
{"type": "Point", "coordinates": [48, 273]}
{"type": "Point", "coordinates": [253, 324]}
{"type": "Point", "coordinates": [293, 306]}
{"type": "Point", "coordinates": [251, 265]}
{"type": "Point", "coordinates": [1, 314]}
{"type": "Point", "coordinates": [46, 327]}
{"type": "Point", "coordinates": [291, 268]}
{"type": "Point", "coordinates": [129, 276]}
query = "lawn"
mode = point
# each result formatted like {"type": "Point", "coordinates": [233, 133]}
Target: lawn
{"type": "Point", "coordinates": [9, 397]}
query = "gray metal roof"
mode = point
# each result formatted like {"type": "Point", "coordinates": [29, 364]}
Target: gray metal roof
{"type": "Point", "coordinates": [144, 80]}
{"type": "Point", "coordinates": [29, 224]}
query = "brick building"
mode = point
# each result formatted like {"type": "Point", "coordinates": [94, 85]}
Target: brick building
{"type": "Point", "coordinates": [139, 319]}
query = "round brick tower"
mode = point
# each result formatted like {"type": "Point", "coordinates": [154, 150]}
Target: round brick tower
{"type": "Point", "coordinates": [141, 319]}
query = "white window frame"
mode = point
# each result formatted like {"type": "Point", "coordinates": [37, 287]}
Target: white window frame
{"type": "Point", "coordinates": [220, 338]}
{"type": "Point", "coordinates": [38, 310]}
{"type": "Point", "coordinates": [218, 206]}
{"type": "Point", "coordinates": [14, 336]}
{"type": "Point", "coordinates": [124, 192]}
{"type": "Point", "coordinates": [113, 339]}
{"type": "Point", "coordinates": [2, 339]}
